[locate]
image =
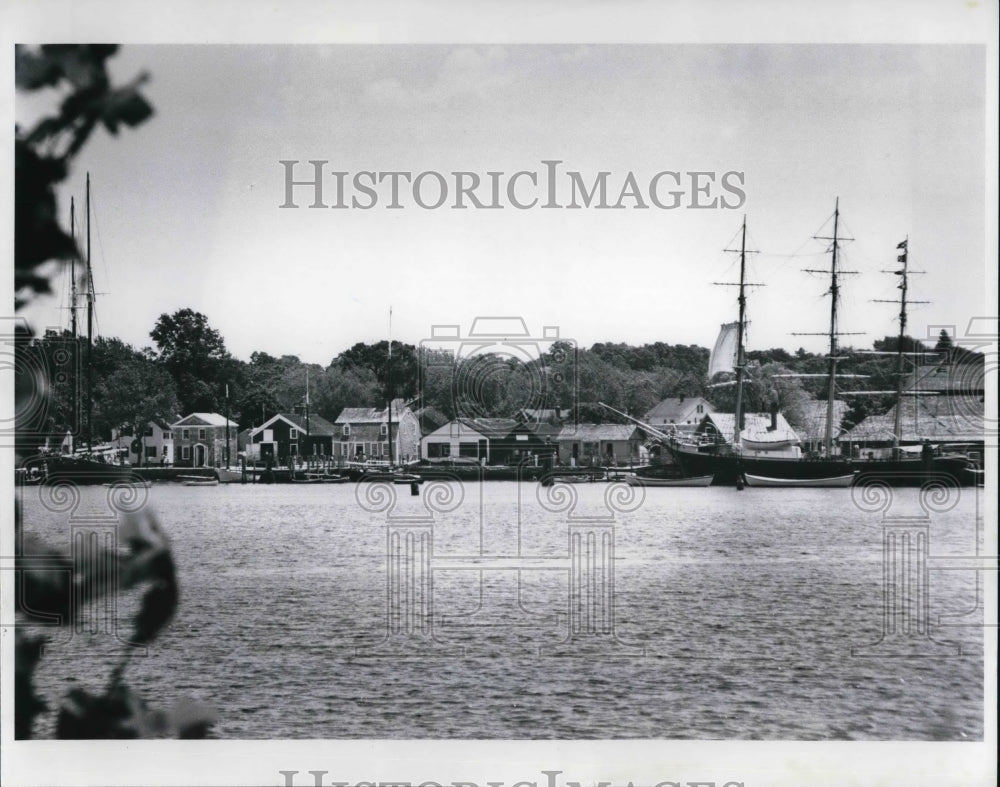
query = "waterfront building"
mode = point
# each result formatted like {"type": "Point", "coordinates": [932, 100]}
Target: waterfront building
{"type": "Point", "coordinates": [286, 435]}
{"type": "Point", "coordinates": [362, 433]}
{"type": "Point", "coordinates": [683, 413]}
{"type": "Point", "coordinates": [154, 447]}
{"type": "Point", "coordinates": [200, 440]}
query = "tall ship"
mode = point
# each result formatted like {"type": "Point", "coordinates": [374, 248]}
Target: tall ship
{"type": "Point", "coordinates": [90, 464]}
{"type": "Point", "coordinates": [760, 447]}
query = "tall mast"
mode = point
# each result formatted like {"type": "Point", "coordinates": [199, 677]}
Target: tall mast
{"type": "Point", "coordinates": [897, 426]}
{"type": "Point", "coordinates": [75, 389]}
{"type": "Point", "coordinates": [835, 273]}
{"type": "Point", "coordinates": [903, 286]}
{"type": "Point", "coordinates": [389, 389]}
{"type": "Point", "coordinates": [741, 361]}
{"type": "Point", "coordinates": [307, 401]}
{"type": "Point", "coordinates": [834, 297]}
{"type": "Point", "coordinates": [740, 350]}
{"type": "Point", "coordinates": [90, 330]}
{"type": "Point", "coordinates": [227, 426]}
{"type": "Point", "coordinates": [72, 271]}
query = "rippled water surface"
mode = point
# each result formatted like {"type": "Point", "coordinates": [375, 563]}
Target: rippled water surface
{"type": "Point", "coordinates": [734, 615]}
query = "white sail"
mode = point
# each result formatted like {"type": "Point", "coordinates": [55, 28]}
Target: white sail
{"type": "Point", "coordinates": [723, 357]}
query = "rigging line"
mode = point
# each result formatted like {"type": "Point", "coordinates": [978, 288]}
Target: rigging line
{"type": "Point", "coordinates": [100, 243]}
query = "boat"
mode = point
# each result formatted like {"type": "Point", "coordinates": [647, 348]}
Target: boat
{"type": "Point", "coordinates": [764, 450]}
{"type": "Point", "coordinates": [702, 480]}
{"type": "Point", "coordinates": [768, 454]}
{"type": "Point", "coordinates": [832, 482]}
{"type": "Point", "coordinates": [93, 464]}
{"type": "Point", "coordinates": [322, 478]}
{"type": "Point", "coordinates": [202, 482]}
{"type": "Point", "coordinates": [921, 464]}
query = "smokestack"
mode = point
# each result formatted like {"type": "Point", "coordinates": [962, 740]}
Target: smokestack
{"type": "Point", "coordinates": [774, 417]}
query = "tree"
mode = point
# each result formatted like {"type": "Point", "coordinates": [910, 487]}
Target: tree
{"type": "Point", "coordinates": [375, 358]}
{"type": "Point", "coordinates": [42, 154]}
{"type": "Point", "coordinates": [195, 354]}
{"type": "Point", "coordinates": [137, 393]}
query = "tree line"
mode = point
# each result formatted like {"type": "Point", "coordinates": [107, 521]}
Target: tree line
{"type": "Point", "coordinates": [189, 369]}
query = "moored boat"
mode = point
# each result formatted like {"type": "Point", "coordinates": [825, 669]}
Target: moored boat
{"type": "Point", "coordinates": [703, 480]}
{"type": "Point", "coordinates": [830, 482]}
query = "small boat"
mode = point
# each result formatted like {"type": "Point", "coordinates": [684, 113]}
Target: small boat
{"type": "Point", "coordinates": [202, 482]}
{"type": "Point", "coordinates": [320, 478]}
{"type": "Point", "coordinates": [699, 480]}
{"type": "Point", "coordinates": [831, 482]}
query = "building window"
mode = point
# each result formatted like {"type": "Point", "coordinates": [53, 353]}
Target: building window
{"type": "Point", "coordinates": [293, 434]}
{"type": "Point", "coordinates": [184, 434]}
{"type": "Point", "coordinates": [185, 452]}
{"type": "Point", "coordinates": [165, 451]}
{"type": "Point", "coordinates": [293, 449]}
{"type": "Point", "coordinates": [149, 431]}
{"type": "Point", "coordinates": [701, 408]}
{"type": "Point", "coordinates": [168, 436]}
{"type": "Point", "coordinates": [384, 430]}
{"type": "Point", "coordinates": [346, 430]}
{"type": "Point", "coordinates": [201, 434]}
{"type": "Point", "coordinates": [151, 452]}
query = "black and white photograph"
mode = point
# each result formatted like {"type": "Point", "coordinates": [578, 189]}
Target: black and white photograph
{"type": "Point", "coordinates": [522, 396]}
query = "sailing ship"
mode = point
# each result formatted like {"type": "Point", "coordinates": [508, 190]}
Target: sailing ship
{"type": "Point", "coordinates": [91, 464]}
{"type": "Point", "coordinates": [760, 449]}
{"type": "Point", "coordinates": [901, 470]}
{"type": "Point", "coordinates": [765, 454]}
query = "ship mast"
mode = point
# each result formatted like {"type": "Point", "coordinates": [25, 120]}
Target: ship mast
{"type": "Point", "coordinates": [833, 333]}
{"type": "Point", "coordinates": [740, 350]}
{"type": "Point", "coordinates": [740, 364]}
{"type": "Point", "coordinates": [90, 331]}
{"type": "Point", "coordinates": [897, 427]}
{"type": "Point", "coordinates": [834, 297]}
{"type": "Point", "coordinates": [73, 295]}
{"type": "Point", "coordinates": [389, 390]}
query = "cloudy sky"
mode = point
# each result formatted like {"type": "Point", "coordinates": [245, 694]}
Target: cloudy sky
{"type": "Point", "coordinates": [187, 206]}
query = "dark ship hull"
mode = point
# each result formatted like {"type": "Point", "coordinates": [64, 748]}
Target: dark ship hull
{"type": "Point", "coordinates": [727, 467]}
{"type": "Point", "coordinates": [73, 470]}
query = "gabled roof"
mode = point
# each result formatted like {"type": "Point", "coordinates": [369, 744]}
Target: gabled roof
{"type": "Point", "coordinates": [317, 426]}
{"type": "Point", "coordinates": [965, 377]}
{"type": "Point", "coordinates": [544, 414]}
{"type": "Point", "coordinates": [490, 427]}
{"type": "Point", "coordinates": [676, 408]}
{"type": "Point", "coordinates": [935, 418]}
{"type": "Point", "coordinates": [203, 419]}
{"type": "Point", "coordinates": [592, 433]}
{"type": "Point", "coordinates": [372, 415]}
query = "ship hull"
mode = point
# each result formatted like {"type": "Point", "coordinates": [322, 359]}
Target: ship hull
{"type": "Point", "coordinates": [727, 467]}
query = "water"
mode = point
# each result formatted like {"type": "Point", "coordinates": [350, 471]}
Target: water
{"type": "Point", "coordinates": [734, 616]}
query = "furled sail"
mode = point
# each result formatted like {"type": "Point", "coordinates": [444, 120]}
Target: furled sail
{"type": "Point", "coordinates": [723, 357]}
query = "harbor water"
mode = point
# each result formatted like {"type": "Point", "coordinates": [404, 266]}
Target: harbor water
{"type": "Point", "coordinates": [508, 610]}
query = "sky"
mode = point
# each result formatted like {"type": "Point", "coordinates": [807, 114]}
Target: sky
{"type": "Point", "coordinates": [186, 206]}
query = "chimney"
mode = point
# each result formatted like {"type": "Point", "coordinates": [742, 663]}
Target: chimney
{"type": "Point", "coordinates": [774, 417]}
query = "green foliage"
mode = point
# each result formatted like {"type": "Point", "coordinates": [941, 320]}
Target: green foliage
{"type": "Point", "coordinates": [131, 391]}
{"type": "Point", "coordinates": [196, 357]}
{"type": "Point", "coordinates": [43, 153]}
